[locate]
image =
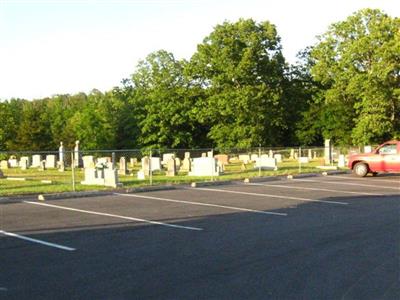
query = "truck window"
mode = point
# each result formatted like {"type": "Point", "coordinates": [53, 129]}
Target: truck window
{"type": "Point", "coordinates": [388, 149]}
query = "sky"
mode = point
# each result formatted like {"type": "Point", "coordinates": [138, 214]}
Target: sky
{"type": "Point", "coordinates": [67, 47]}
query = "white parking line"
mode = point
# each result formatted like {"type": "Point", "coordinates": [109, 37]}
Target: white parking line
{"type": "Point", "coordinates": [203, 204]}
{"type": "Point", "coordinates": [271, 196]}
{"type": "Point", "coordinates": [367, 178]}
{"type": "Point", "coordinates": [37, 241]}
{"type": "Point", "coordinates": [312, 189]}
{"type": "Point", "coordinates": [349, 183]}
{"type": "Point", "coordinates": [115, 216]}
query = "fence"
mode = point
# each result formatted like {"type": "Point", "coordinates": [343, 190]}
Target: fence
{"type": "Point", "coordinates": [32, 172]}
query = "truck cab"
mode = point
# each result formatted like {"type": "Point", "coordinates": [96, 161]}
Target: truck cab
{"type": "Point", "coordinates": [385, 158]}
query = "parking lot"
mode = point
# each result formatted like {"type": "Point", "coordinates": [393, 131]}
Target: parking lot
{"type": "Point", "coordinates": [333, 237]}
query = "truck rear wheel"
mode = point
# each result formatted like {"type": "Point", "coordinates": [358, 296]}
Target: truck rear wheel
{"type": "Point", "coordinates": [361, 169]}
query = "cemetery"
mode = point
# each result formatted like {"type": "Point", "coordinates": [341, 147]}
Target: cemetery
{"type": "Point", "coordinates": [54, 172]}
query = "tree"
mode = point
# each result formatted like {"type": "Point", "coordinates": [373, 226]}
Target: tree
{"type": "Point", "coordinates": [357, 62]}
{"type": "Point", "coordinates": [240, 67]}
{"type": "Point", "coordinates": [161, 96]}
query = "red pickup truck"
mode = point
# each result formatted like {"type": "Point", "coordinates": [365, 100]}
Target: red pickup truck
{"type": "Point", "coordinates": [385, 158]}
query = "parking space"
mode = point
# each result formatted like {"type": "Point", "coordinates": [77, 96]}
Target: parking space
{"type": "Point", "coordinates": [318, 237]}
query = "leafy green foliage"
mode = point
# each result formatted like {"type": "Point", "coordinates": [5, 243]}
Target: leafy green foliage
{"type": "Point", "coordinates": [357, 63]}
{"type": "Point", "coordinates": [240, 67]}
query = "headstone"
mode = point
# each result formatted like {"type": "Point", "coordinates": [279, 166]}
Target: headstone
{"type": "Point", "coordinates": [88, 161]}
{"type": "Point", "coordinates": [278, 157]}
{"type": "Point", "coordinates": [245, 158]}
{"type": "Point", "coordinates": [24, 163]}
{"type": "Point", "coordinates": [187, 155]}
{"type": "Point", "coordinates": [342, 161]}
{"type": "Point", "coordinates": [171, 167]}
{"type": "Point", "coordinates": [222, 158]}
{"type": "Point", "coordinates": [140, 175]}
{"type": "Point", "coordinates": [42, 166]}
{"type": "Point", "coordinates": [36, 159]}
{"type": "Point", "coordinates": [27, 159]}
{"type": "Point", "coordinates": [270, 154]}
{"type": "Point", "coordinates": [204, 154]}
{"type": "Point", "coordinates": [304, 160]}
{"type": "Point", "coordinates": [155, 163]}
{"type": "Point", "coordinates": [204, 166]}
{"type": "Point", "coordinates": [296, 155]}
{"type": "Point", "coordinates": [4, 164]}
{"type": "Point", "coordinates": [210, 154]}
{"type": "Point", "coordinates": [146, 165]}
{"type": "Point", "coordinates": [253, 157]}
{"type": "Point", "coordinates": [77, 155]}
{"type": "Point", "coordinates": [166, 157]}
{"type": "Point", "coordinates": [123, 167]}
{"type": "Point", "coordinates": [291, 154]}
{"type": "Point", "coordinates": [111, 177]}
{"type": "Point", "coordinates": [13, 162]}
{"type": "Point", "coordinates": [106, 177]}
{"type": "Point", "coordinates": [93, 176]}
{"type": "Point", "coordinates": [315, 155]}
{"type": "Point", "coordinates": [186, 165]}
{"type": "Point", "coordinates": [367, 149]}
{"type": "Point", "coordinates": [309, 154]}
{"type": "Point", "coordinates": [104, 160]}
{"type": "Point", "coordinates": [178, 163]}
{"type": "Point", "coordinates": [328, 152]}
{"type": "Point", "coordinates": [61, 166]}
{"type": "Point", "coordinates": [133, 161]}
{"type": "Point", "coordinates": [266, 163]}
{"type": "Point", "coordinates": [61, 152]}
{"type": "Point", "coordinates": [50, 161]}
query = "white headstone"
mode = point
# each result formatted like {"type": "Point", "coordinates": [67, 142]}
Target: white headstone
{"type": "Point", "coordinates": [36, 159]}
{"type": "Point", "coordinates": [166, 157]}
{"type": "Point", "coordinates": [123, 167]}
{"type": "Point", "coordinates": [171, 167]}
{"type": "Point", "coordinates": [204, 166]}
{"type": "Point", "coordinates": [186, 165]}
{"type": "Point", "coordinates": [278, 157]}
{"type": "Point", "coordinates": [253, 157]}
{"type": "Point", "coordinates": [342, 161]}
{"type": "Point", "coordinates": [61, 152]}
{"type": "Point", "coordinates": [328, 152]}
{"type": "Point", "coordinates": [88, 161]}
{"type": "Point", "coordinates": [145, 165]}
{"type": "Point", "coordinates": [266, 163]}
{"type": "Point", "coordinates": [155, 163]}
{"type": "Point", "coordinates": [51, 161]}
{"type": "Point", "coordinates": [270, 154]}
{"type": "Point", "coordinates": [24, 163]}
{"type": "Point", "coordinates": [245, 158]}
{"type": "Point", "coordinates": [309, 154]}
{"type": "Point", "coordinates": [4, 164]}
{"type": "Point", "coordinates": [77, 155]}
{"type": "Point", "coordinates": [304, 160]}
{"type": "Point", "coordinates": [13, 162]}
{"type": "Point", "coordinates": [140, 175]}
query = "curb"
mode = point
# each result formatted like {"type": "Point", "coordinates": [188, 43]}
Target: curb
{"type": "Point", "coordinates": [262, 179]}
{"type": "Point", "coordinates": [303, 175]}
{"type": "Point", "coordinates": [210, 183]}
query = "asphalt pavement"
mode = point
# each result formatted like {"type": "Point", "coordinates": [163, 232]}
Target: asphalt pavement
{"type": "Point", "coordinates": [334, 237]}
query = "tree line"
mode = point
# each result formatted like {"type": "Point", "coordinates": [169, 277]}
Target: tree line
{"type": "Point", "coordinates": [236, 91]}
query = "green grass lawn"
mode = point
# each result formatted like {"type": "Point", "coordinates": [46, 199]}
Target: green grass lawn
{"type": "Point", "coordinates": [62, 181]}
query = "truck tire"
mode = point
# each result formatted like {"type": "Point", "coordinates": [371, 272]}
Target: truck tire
{"type": "Point", "coordinates": [361, 169]}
